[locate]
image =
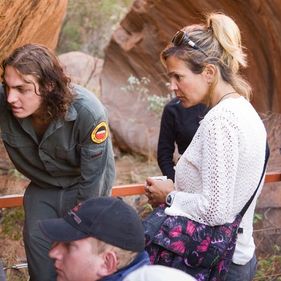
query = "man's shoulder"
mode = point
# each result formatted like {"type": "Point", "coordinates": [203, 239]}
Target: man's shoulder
{"type": "Point", "coordinates": [86, 101]}
{"type": "Point", "coordinates": [83, 95]}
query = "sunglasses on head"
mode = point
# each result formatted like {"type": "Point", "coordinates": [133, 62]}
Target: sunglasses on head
{"type": "Point", "coordinates": [182, 37]}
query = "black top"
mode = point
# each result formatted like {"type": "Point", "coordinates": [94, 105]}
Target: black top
{"type": "Point", "coordinates": [178, 125]}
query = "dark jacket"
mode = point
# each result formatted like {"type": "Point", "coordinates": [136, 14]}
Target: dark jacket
{"type": "Point", "coordinates": [178, 125]}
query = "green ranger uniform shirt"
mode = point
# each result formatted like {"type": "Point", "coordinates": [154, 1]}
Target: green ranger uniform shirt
{"type": "Point", "coordinates": [73, 153]}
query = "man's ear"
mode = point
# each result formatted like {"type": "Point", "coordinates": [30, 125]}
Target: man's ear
{"type": "Point", "coordinates": [109, 265]}
{"type": "Point", "coordinates": [209, 73]}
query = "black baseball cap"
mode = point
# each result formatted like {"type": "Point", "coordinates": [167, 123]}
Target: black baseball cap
{"type": "Point", "coordinates": [108, 219]}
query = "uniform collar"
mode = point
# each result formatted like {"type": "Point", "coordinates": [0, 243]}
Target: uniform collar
{"type": "Point", "coordinates": [71, 113]}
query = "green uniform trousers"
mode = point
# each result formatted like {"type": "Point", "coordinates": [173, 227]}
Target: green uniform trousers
{"type": "Point", "coordinates": [41, 204]}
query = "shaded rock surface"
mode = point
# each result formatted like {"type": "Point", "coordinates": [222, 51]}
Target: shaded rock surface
{"type": "Point", "coordinates": [272, 122]}
{"type": "Point", "coordinates": [135, 46]}
{"type": "Point", "coordinates": [271, 193]}
{"type": "Point", "coordinates": [83, 69]}
{"type": "Point", "coordinates": [30, 21]}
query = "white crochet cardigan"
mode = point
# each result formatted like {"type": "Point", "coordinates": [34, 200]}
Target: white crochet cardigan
{"type": "Point", "coordinates": [220, 170]}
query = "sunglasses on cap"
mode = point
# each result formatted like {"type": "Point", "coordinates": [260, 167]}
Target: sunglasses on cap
{"type": "Point", "coordinates": [182, 37]}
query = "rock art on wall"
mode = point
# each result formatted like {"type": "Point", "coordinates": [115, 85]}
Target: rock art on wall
{"type": "Point", "coordinates": [135, 47]}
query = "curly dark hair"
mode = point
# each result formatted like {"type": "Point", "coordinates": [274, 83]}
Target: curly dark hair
{"type": "Point", "coordinates": [54, 85]}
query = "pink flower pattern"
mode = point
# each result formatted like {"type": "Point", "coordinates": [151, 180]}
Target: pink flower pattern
{"type": "Point", "coordinates": [203, 251]}
{"type": "Point", "coordinates": [176, 231]}
{"type": "Point", "coordinates": [190, 228]}
{"type": "Point", "coordinates": [178, 246]}
{"type": "Point", "coordinates": [203, 247]}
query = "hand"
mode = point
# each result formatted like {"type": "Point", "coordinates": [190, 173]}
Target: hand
{"type": "Point", "coordinates": [157, 190]}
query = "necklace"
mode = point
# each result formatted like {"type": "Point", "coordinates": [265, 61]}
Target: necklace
{"type": "Point", "coordinates": [227, 94]}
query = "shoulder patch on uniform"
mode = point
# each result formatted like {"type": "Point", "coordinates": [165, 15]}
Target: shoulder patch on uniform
{"type": "Point", "coordinates": [100, 133]}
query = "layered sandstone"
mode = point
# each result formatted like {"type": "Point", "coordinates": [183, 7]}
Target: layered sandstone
{"type": "Point", "coordinates": [135, 46]}
{"type": "Point", "coordinates": [30, 21]}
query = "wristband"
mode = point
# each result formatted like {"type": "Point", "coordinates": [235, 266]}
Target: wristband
{"type": "Point", "coordinates": [170, 198]}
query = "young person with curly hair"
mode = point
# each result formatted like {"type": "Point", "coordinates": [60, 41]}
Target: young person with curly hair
{"type": "Point", "coordinates": [56, 134]}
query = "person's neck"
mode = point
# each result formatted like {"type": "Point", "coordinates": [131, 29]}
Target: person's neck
{"type": "Point", "coordinates": [40, 117]}
{"type": "Point", "coordinates": [40, 123]}
{"type": "Point", "coordinates": [223, 92]}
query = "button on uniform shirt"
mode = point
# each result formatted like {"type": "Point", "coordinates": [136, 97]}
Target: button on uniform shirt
{"type": "Point", "coordinates": [73, 152]}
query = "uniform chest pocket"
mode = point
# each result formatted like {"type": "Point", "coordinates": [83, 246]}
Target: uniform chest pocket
{"type": "Point", "coordinates": [17, 140]}
{"type": "Point", "coordinates": [93, 158]}
{"type": "Point", "coordinates": [92, 154]}
{"type": "Point", "coordinates": [68, 155]}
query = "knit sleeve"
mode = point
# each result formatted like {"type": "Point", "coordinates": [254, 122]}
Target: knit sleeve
{"type": "Point", "coordinates": [214, 204]}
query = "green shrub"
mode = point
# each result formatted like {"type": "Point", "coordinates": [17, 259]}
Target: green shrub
{"type": "Point", "coordinates": [140, 88]}
{"type": "Point", "coordinates": [12, 223]}
{"type": "Point", "coordinates": [88, 25]}
{"type": "Point", "coordinates": [269, 268]}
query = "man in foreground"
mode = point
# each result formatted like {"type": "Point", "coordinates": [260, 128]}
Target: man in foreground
{"type": "Point", "coordinates": [100, 239]}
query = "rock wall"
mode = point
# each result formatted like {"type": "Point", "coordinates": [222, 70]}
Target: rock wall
{"type": "Point", "coordinates": [135, 46]}
{"type": "Point", "coordinates": [83, 69]}
{"type": "Point", "coordinates": [30, 21]}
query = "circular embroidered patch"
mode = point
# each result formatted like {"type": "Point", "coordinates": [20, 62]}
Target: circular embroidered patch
{"type": "Point", "coordinates": [100, 133]}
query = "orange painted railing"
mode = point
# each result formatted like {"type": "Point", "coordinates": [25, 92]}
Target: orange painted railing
{"type": "Point", "coordinates": [272, 177]}
{"type": "Point", "coordinates": [16, 200]}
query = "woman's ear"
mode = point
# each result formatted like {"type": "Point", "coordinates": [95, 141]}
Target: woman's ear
{"type": "Point", "coordinates": [209, 73]}
{"type": "Point", "coordinates": [109, 265]}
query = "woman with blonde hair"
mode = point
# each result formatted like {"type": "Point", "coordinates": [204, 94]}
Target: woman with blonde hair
{"type": "Point", "coordinates": [223, 166]}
